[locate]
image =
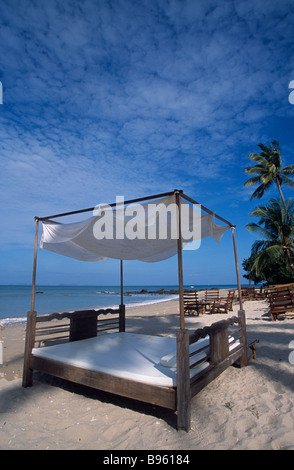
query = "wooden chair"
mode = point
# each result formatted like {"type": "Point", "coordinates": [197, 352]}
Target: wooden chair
{"type": "Point", "coordinates": [192, 304]}
{"type": "Point", "coordinates": [223, 306]}
{"type": "Point", "coordinates": [248, 293]}
{"type": "Point", "coordinates": [211, 296]}
{"type": "Point", "coordinates": [231, 297]}
{"type": "Point", "coordinates": [259, 293]}
{"type": "Point", "coordinates": [281, 300]}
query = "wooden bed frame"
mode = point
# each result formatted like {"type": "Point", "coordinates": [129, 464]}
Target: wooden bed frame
{"type": "Point", "coordinates": [45, 330]}
{"type": "Point", "coordinates": [83, 325]}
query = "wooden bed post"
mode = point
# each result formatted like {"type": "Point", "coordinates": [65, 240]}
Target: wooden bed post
{"type": "Point", "coordinates": [241, 312]}
{"type": "Point", "coordinates": [180, 262]}
{"type": "Point", "coordinates": [237, 268]}
{"type": "Point", "coordinates": [243, 338]}
{"type": "Point", "coordinates": [27, 379]}
{"type": "Point", "coordinates": [122, 309]}
{"type": "Point", "coordinates": [121, 283]}
{"type": "Point", "coordinates": [183, 381]}
{"type": "Point", "coordinates": [183, 369]}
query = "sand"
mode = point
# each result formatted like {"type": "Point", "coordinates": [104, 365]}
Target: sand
{"type": "Point", "coordinates": [243, 409]}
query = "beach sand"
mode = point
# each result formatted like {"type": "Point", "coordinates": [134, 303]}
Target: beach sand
{"type": "Point", "coordinates": [249, 408]}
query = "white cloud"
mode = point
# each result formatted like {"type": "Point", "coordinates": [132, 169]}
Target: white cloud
{"type": "Point", "coordinates": [102, 97]}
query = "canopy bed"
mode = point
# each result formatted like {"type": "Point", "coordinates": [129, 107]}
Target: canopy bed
{"type": "Point", "coordinates": [92, 348]}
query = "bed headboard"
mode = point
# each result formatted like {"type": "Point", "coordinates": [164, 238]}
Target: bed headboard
{"type": "Point", "coordinates": [77, 325]}
{"type": "Point", "coordinates": [70, 326]}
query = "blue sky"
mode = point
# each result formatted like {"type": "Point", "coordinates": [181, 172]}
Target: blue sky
{"type": "Point", "coordinates": [137, 97]}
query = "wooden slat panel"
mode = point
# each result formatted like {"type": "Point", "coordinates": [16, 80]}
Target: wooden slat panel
{"type": "Point", "coordinates": [210, 374]}
{"type": "Point", "coordinates": [161, 396]}
{"type": "Point", "coordinates": [83, 324]}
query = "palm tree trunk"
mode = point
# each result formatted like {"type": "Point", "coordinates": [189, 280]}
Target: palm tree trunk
{"type": "Point", "coordinates": [291, 265]}
{"type": "Point", "coordinates": [282, 196]}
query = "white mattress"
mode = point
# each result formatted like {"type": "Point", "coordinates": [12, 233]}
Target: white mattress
{"type": "Point", "coordinates": [127, 355]}
{"type": "Point", "coordinates": [142, 358]}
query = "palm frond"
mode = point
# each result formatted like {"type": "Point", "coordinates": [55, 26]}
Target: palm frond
{"type": "Point", "coordinates": [266, 255]}
{"type": "Point", "coordinates": [259, 211]}
{"type": "Point", "coordinates": [288, 170]}
{"type": "Point", "coordinates": [267, 185]}
{"type": "Point", "coordinates": [253, 227]}
{"type": "Point", "coordinates": [274, 251]}
{"type": "Point", "coordinates": [259, 245]}
{"type": "Point", "coordinates": [287, 181]}
{"type": "Point", "coordinates": [251, 181]}
{"type": "Point", "coordinates": [275, 143]}
{"type": "Point", "coordinates": [255, 170]}
{"type": "Point", "coordinates": [259, 192]}
{"type": "Point", "coordinates": [255, 157]}
{"type": "Point", "coordinates": [276, 158]}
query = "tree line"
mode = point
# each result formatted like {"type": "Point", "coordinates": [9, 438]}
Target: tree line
{"type": "Point", "coordinates": [272, 255]}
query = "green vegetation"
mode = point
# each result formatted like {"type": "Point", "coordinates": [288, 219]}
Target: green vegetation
{"type": "Point", "coordinates": [272, 256]}
{"type": "Point", "coordinates": [269, 171]}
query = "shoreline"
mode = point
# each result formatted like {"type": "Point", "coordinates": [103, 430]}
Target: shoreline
{"type": "Point", "coordinates": [20, 320]}
{"type": "Point", "coordinates": [169, 294]}
{"type": "Point", "coordinates": [13, 316]}
{"type": "Point", "coordinates": [243, 409]}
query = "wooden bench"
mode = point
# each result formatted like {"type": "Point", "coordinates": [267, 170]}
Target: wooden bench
{"type": "Point", "coordinates": [281, 300]}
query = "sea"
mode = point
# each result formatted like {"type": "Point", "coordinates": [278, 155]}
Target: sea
{"type": "Point", "coordinates": [15, 301]}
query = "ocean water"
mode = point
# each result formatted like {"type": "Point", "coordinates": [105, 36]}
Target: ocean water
{"type": "Point", "coordinates": [15, 301]}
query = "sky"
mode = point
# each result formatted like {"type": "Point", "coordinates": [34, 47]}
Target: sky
{"type": "Point", "coordinates": [102, 98]}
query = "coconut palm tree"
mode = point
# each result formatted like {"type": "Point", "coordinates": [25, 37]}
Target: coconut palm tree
{"type": "Point", "coordinates": [276, 227]}
{"type": "Point", "coordinates": [268, 170]}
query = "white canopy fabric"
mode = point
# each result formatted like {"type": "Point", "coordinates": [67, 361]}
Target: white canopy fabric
{"type": "Point", "coordinates": [145, 232]}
